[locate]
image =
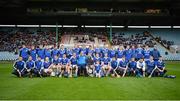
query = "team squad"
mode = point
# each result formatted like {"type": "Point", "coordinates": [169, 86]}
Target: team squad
{"type": "Point", "coordinates": [89, 61]}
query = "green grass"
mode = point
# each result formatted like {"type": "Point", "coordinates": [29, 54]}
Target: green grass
{"type": "Point", "coordinates": [83, 88]}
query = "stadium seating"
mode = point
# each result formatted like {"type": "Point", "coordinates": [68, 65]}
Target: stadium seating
{"type": "Point", "coordinates": [8, 56]}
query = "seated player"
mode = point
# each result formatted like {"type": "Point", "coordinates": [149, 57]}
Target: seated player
{"type": "Point", "coordinates": [150, 65]}
{"type": "Point", "coordinates": [64, 66]}
{"type": "Point", "coordinates": [114, 65]}
{"type": "Point", "coordinates": [160, 71]}
{"type": "Point", "coordinates": [19, 67]}
{"type": "Point", "coordinates": [106, 64]}
{"type": "Point", "coordinates": [30, 65]}
{"type": "Point", "coordinates": [73, 66]}
{"type": "Point", "coordinates": [141, 66]}
{"type": "Point", "coordinates": [132, 67]}
{"type": "Point", "coordinates": [90, 65]}
{"type": "Point", "coordinates": [46, 64]}
{"type": "Point", "coordinates": [55, 65]}
{"type": "Point", "coordinates": [122, 68]}
{"type": "Point", "coordinates": [38, 67]}
{"type": "Point", "coordinates": [97, 71]}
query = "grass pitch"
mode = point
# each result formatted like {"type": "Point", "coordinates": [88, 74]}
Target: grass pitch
{"type": "Point", "coordinates": [86, 88]}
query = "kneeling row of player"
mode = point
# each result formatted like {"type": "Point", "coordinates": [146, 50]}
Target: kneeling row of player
{"type": "Point", "coordinates": [114, 68]}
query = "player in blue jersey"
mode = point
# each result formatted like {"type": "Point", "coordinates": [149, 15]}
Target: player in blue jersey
{"type": "Point", "coordinates": [69, 53]}
{"type": "Point", "coordinates": [146, 53]}
{"type": "Point", "coordinates": [155, 53]}
{"type": "Point", "coordinates": [133, 51]}
{"type": "Point", "coordinates": [64, 65]}
{"type": "Point", "coordinates": [76, 50]}
{"type": "Point", "coordinates": [132, 67]}
{"type": "Point", "coordinates": [97, 50]}
{"type": "Point", "coordinates": [73, 70]}
{"type": "Point", "coordinates": [47, 53]}
{"type": "Point", "coordinates": [114, 66]}
{"type": "Point", "coordinates": [104, 50]}
{"type": "Point", "coordinates": [24, 53]}
{"type": "Point", "coordinates": [141, 66]}
{"type": "Point", "coordinates": [40, 52]}
{"type": "Point", "coordinates": [62, 51]}
{"type": "Point", "coordinates": [55, 65]}
{"type": "Point", "coordinates": [128, 53]}
{"type": "Point", "coordinates": [120, 53]}
{"type": "Point", "coordinates": [160, 71]}
{"type": "Point", "coordinates": [47, 64]}
{"type": "Point", "coordinates": [106, 64]}
{"type": "Point", "coordinates": [122, 67]}
{"type": "Point", "coordinates": [97, 58]}
{"type": "Point", "coordinates": [38, 67]}
{"type": "Point", "coordinates": [19, 67]}
{"type": "Point", "coordinates": [30, 65]}
{"type": "Point", "coordinates": [112, 53]}
{"type": "Point", "coordinates": [33, 53]}
{"type": "Point", "coordinates": [82, 62]}
{"type": "Point", "coordinates": [97, 67]}
{"type": "Point", "coordinates": [139, 52]}
{"type": "Point", "coordinates": [150, 65]}
{"type": "Point", "coordinates": [55, 51]}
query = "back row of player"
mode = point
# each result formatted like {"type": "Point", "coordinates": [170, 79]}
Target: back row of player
{"type": "Point", "coordinates": [82, 59]}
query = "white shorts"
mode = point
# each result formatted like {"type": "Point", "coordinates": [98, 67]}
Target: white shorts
{"type": "Point", "coordinates": [46, 70]}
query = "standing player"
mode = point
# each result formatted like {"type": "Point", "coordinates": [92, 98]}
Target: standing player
{"type": "Point", "coordinates": [112, 53]}
{"type": "Point", "coordinates": [106, 64]}
{"type": "Point", "coordinates": [30, 65]}
{"type": "Point", "coordinates": [24, 53]}
{"type": "Point", "coordinates": [90, 64]}
{"type": "Point", "coordinates": [120, 53]}
{"type": "Point", "coordinates": [146, 53]}
{"type": "Point", "coordinates": [96, 58]}
{"type": "Point", "coordinates": [62, 51]}
{"type": "Point", "coordinates": [40, 52]}
{"type": "Point", "coordinates": [55, 51]}
{"type": "Point", "coordinates": [141, 66]}
{"type": "Point", "coordinates": [47, 53]}
{"type": "Point", "coordinates": [82, 62]}
{"type": "Point", "coordinates": [128, 53]}
{"type": "Point", "coordinates": [123, 66]}
{"type": "Point", "coordinates": [19, 67]}
{"type": "Point", "coordinates": [139, 52]}
{"type": "Point", "coordinates": [155, 53]}
{"type": "Point", "coordinates": [33, 53]}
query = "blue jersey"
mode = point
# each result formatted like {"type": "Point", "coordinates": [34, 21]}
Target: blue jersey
{"type": "Point", "coordinates": [81, 60]}
{"type": "Point", "coordinates": [56, 61]}
{"type": "Point", "coordinates": [104, 51]}
{"type": "Point", "coordinates": [90, 51]}
{"type": "Point", "coordinates": [112, 53]}
{"type": "Point", "coordinates": [123, 64]}
{"type": "Point", "coordinates": [114, 64]}
{"type": "Point", "coordinates": [139, 53]}
{"type": "Point", "coordinates": [64, 61]}
{"type": "Point", "coordinates": [106, 60]}
{"type": "Point", "coordinates": [120, 53]}
{"type": "Point", "coordinates": [133, 52]}
{"type": "Point", "coordinates": [76, 50]}
{"type": "Point", "coordinates": [62, 52]}
{"type": "Point", "coordinates": [55, 52]}
{"type": "Point", "coordinates": [24, 52]}
{"type": "Point", "coordinates": [132, 64]}
{"type": "Point", "coordinates": [38, 64]}
{"type": "Point", "coordinates": [147, 54]}
{"type": "Point", "coordinates": [33, 54]}
{"type": "Point", "coordinates": [19, 65]}
{"type": "Point", "coordinates": [97, 51]}
{"type": "Point", "coordinates": [128, 54]}
{"type": "Point", "coordinates": [97, 67]}
{"type": "Point", "coordinates": [84, 50]}
{"type": "Point", "coordinates": [69, 53]}
{"type": "Point", "coordinates": [96, 59]}
{"type": "Point", "coordinates": [150, 64]}
{"type": "Point", "coordinates": [160, 64]}
{"type": "Point", "coordinates": [73, 60]}
{"type": "Point", "coordinates": [47, 53]}
{"type": "Point", "coordinates": [40, 53]}
{"type": "Point", "coordinates": [46, 64]}
{"type": "Point", "coordinates": [30, 64]}
{"type": "Point", "coordinates": [155, 53]}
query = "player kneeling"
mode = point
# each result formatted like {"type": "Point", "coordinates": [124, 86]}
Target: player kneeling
{"type": "Point", "coordinates": [106, 65]}
{"type": "Point", "coordinates": [160, 71]}
{"type": "Point", "coordinates": [55, 66]}
{"type": "Point", "coordinates": [132, 67]}
{"type": "Point", "coordinates": [47, 70]}
{"type": "Point", "coordinates": [73, 69]}
{"type": "Point", "coordinates": [38, 70]}
{"type": "Point", "coordinates": [30, 65]}
{"type": "Point", "coordinates": [64, 66]}
{"type": "Point", "coordinates": [98, 67]}
{"type": "Point", "coordinates": [122, 68]}
{"type": "Point", "coordinates": [114, 66]}
{"type": "Point", "coordinates": [140, 71]}
{"type": "Point", "coordinates": [19, 67]}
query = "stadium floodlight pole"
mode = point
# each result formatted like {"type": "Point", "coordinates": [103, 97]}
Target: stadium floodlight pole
{"type": "Point", "coordinates": [56, 33]}
{"type": "Point", "coordinates": [110, 32]}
